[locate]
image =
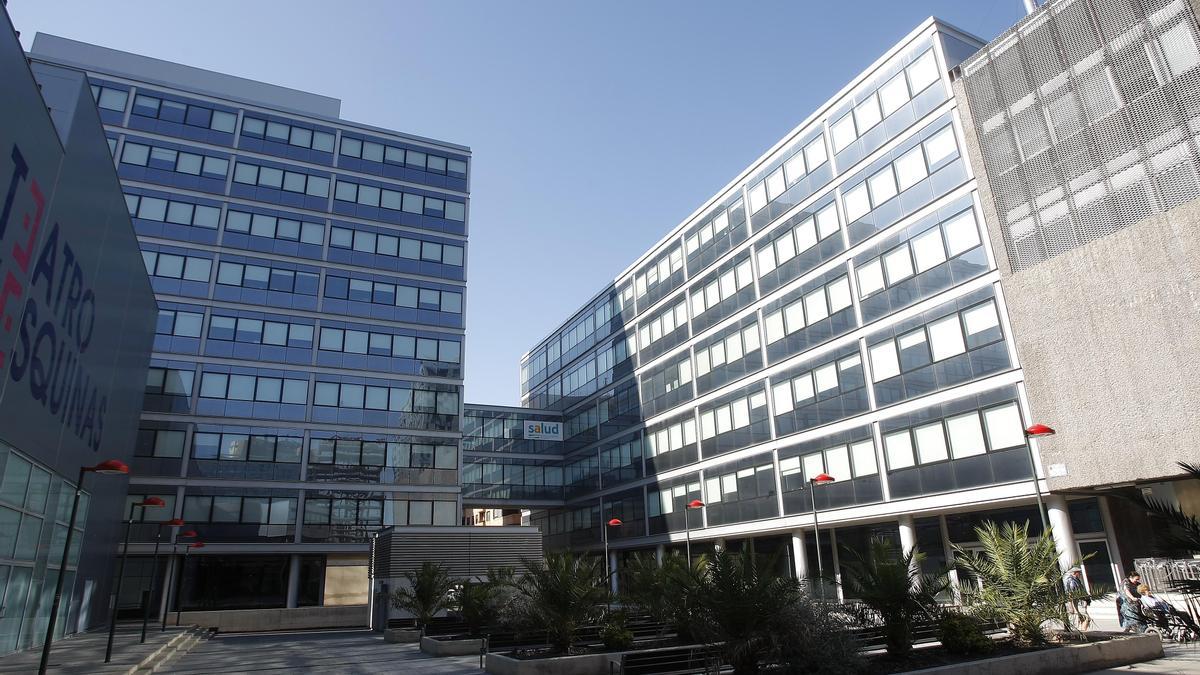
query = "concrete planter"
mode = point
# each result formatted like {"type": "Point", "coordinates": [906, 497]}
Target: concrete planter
{"type": "Point", "coordinates": [584, 664]}
{"type": "Point", "coordinates": [299, 618]}
{"type": "Point", "coordinates": [436, 647]}
{"type": "Point", "coordinates": [402, 635]}
{"type": "Point", "coordinates": [1082, 658]}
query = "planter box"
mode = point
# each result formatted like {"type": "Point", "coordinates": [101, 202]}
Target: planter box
{"type": "Point", "coordinates": [584, 664]}
{"type": "Point", "coordinates": [436, 647]}
{"type": "Point", "coordinates": [1119, 651]}
{"type": "Point", "coordinates": [404, 635]}
{"type": "Point", "coordinates": [298, 618]}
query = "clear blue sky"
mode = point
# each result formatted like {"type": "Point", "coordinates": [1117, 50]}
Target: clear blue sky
{"type": "Point", "coordinates": [596, 127]}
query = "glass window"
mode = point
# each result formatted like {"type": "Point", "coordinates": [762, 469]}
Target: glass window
{"type": "Point", "coordinates": [961, 233]}
{"type": "Point", "coordinates": [814, 153]}
{"type": "Point", "coordinates": [883, 186]}
{"type": "Point", "coordinates": [866, 114]}
{"type": "Point", "coordinates": [112, 99]}
{"type": "Point", "coordinates": [857, 201]}
{"type": "Point", "coordinates": [863, 454]}
{"type": "Point", "coordinates": [899, 450]}
{"type": "Point", "coordinates": [893, 94]}
{"type": "Point", "coordinates": [843, 133]}
{"type": "Point", "coordinates": [870, 278]}
{"type": "Point", "coordinates": [135, 153]}
{"type": "Point", "coordinates": [223, 121]}
{"type": "Point", "coordinates": [910, 168]}
{"type": "Point", "coordinates": [946, 338]}
{"type": "Point", "coordinates": [837, 463]}
{"type": "Point", "coordinates": [884, 362]}
{"type": "Point", "coordinates": [923, 72]}
{"type": "Point", "coordinates": [898, 264]}
{"type": "Point", "coordinates": [928, 250]}
{"type": "Point", "coordinates": [931, 443]}
{"type": "Point", "coordinates": [1004, 427]}
{"type": "Point", "coordinates": [940, 146]}
{"type": "Point", "coordinates": [966, 436]}
{"type": "Point", "coordinates": [226, 509]}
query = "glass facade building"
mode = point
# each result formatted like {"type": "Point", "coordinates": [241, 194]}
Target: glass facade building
{"type": "Point", "coordinates": [306, 379]}
{"type": "Point", "coordinates": [836, 309]}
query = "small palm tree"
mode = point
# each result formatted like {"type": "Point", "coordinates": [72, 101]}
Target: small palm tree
{"type": "Point", "coordinates": [1019, 582]}
{"type": "Point", "coordinates": [426, 593]}
{"type": "Point", "coordinates": [1182, 538]}
{"type": "Point", "coordinates": [561, 594]}
{"type": "Point", "coordinates": [481, 603]}
{"type": "Point", "coordinates": [891, 585]}
{"type": "Point", "coordinates": [662, 591]}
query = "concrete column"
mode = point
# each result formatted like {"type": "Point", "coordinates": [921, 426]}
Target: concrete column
{"type": "Point", "coordinates": [908, 539]}
{"type": "Point", "coordinates": [799, 555]}
{"type": "Point", "coordinates": [660, 552]}
{"type": "Point", "coordinates": [293, 590]}
{"type": "Point", "coordinates": [169, 577]}
{"type": "Point", "coordinates": [612, 571]}
{"type": "Point", "coordinates": [1064, 534]}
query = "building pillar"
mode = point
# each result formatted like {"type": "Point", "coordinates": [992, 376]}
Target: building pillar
{"type": "Point", "coordinates": [612, 572]}
{"type": "Point", "coordinates": [1064, 534]}
{"type": "Point", "coordinates": [908, 542]}
{"type": "Point", "coordinates": [660, 552]}
{"type": "Point", "coordinates": [169, 576]}
{"type": "Point", "coordinates": [293, 590]}
{"type": "Point", "coordinates": [799, 555]}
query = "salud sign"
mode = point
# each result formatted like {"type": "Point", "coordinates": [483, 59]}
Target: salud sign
{"type": "Point", "coordinates": [543, 431]}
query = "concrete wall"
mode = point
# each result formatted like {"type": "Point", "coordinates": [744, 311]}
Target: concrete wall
{"type": "Point", "coordinates": [346, 581]}
{"type": "Point", "coordinates": [255, 620]}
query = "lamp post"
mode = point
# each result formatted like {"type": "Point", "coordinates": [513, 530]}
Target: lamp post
{"type": "Point", "coordinates": [687, 526]}
{"type": "Point", "coordinates": [170, 587]}
{"type": "Point", "coordinates": [1037, 431]}
{"type": "Point", "coordinates": [179, 600]}
{"type": "Point", "coordinates": [108, 467]}
{"type": "Point", "coordinates": [174, 522]}
{"type": "Point", "coordinates": [819, 479]}
{"type": "Point", "coordinates": [615, 522]}
{"type": "Point", "coordinates": [116, 599]}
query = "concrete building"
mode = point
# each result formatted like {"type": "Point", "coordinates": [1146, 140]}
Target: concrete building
{"type": "Point", "coordinates": [1081, 124]}
{"type": "Point", "coordinates": [305, 387]}
{"type": "Point", "coordinates": [77, 322]}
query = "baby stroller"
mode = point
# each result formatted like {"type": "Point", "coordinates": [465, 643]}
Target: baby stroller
{"type": "Point", "coordinates": [1170, 623]}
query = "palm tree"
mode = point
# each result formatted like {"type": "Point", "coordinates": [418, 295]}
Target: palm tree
{"type": "Point", "coordinates": [892, 586]}
{"type": "Point", "coordinates": [1019, 582]}
{"type": "Point", "coordinates": [561, 594]}
{"type": "Point", "coordinates": [662, 591]}
{"type": "Point", "coordinates": [426, 593]}
{"type": "Point", "coordinates": [1182, 538]}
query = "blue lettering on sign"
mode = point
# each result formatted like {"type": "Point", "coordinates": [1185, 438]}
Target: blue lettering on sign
{"type": "Point", "coordinates": [54, 335]}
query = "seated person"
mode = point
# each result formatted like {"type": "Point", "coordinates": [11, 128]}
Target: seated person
{"type": "Point", "coordinates": [1160, 606]}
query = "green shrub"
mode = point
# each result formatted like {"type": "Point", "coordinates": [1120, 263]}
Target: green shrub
{"type": "Point", "coordinates": [614, 633]}
{"type": "Point", "coordinates": [962, 634]}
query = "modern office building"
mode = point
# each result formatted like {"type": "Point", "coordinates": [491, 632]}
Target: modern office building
{"type": "Point", "coordinates": [76, 325]}
{"type": "Point", "coordinates": [305, 386]}
{"type": "Point", "coordinates": [1085, 116]}
{"type": "Point", "coordinates": [835, 309]}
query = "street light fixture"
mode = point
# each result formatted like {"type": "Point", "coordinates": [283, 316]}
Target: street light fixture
{"type": "Point", "coordinates": [819, 479]}
{"type": "Point", "coordinates": [107, 467]}
{"type": "Point", "coordinates": [174, 522]}
{"type": "Point", "coordinates": [182, 578]}
{"type": "Point", "coordinates": [687, 526]}
{"type": "Point", "coordinates": [154, 502]}
{"type": "Point", "coordinates": [1037, 431]}
{"type": "Point", "coordinates": [170, 584]}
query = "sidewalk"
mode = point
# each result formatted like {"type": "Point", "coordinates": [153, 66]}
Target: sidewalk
{"type": "Point", "coordinates": [1176, 660]}
{"type": "Point", "coordinates": [84, 653]}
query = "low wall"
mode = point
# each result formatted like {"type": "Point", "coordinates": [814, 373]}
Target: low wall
{"type": "Point", "coordinates": [299, 618]}
{"type": "Point", "coordinates": [585, 664]}
{"type": "Point", "coordinates": [1082, 658]}
{"type": "Point", "coordinates": [436, 647]}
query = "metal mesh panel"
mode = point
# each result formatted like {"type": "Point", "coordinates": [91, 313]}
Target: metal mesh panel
{"type": "Point", "coordinates": [1088, 115]}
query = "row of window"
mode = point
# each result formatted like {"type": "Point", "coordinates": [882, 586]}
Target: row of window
{"type": "Point", "coordinates": [967, 435]}
{"type": "Point", "coordinates": [758, 481]}
{"type": "Point", "coordinates": [659, 271]}
{"type": "Point", "coordinates": [842, 462]}
{"type": "Point", "coordinates": [730, 416]}
{"type": "Point", "coordinates": [108, 98]}
{"type": "Point", "coordinates": [731, 349]}
{"type": "Point", "coordinates": [235, 509]}
{"type": "Point", "coordinates": [231, 447]}
{"type": "Point", "coordinates": [924, 251]}
{"type": "Point", "coordinates": [301, 137]}
{"type": "Point", "coordinates": [722, 288]}
{"type": "Point", "coordinates": [253, 388]}
{"type": "Point", "coordinates": [712, 229]}
{"type": "Point", "coordinates": [173, 211]}
{"type": "Point", "coordinates": [389, 154]}
{"type": "Point", "coordinates": [262, 277]}
{"type": "Point", "coordinates": [183, 113]}
{"type": "Point", "coordinates": [260, 331]}
{"type": "Point", "coordinates": [885, 101]}
{"type": "Point", "coordinates": [369, 512]}
{"type": "Point", "coordinates": [382, 453]}
{"type": "Point", "coordinates": [172, 266]}
{"type": "Point", "coordinates": [809, 386]}
{"type": "Point", "coordinates": [289, 181]}
{"type": "Point", "coordinates": [396, 247]}
{"type": "Point", "coordinates": [799, 239]}
{"type": "Point", "coordinates": [671, 437]}
{"type": "Point", "coordinates": [385, 344]}
{"type": "Point", "coordinates": [394, 399]}
{"type": "Point", "coordinates": [188, 163]}
{"type": "Point", "coordinates": [778, 181]}
{"type": "Point", "coordinates": [936, 341]}
{"type": "Point", "coordinates": [381, 293]}
{"type": "Point", "coordinates": [663, 324]}
{"type": "Point", "coordinates": [668, 500]}
{"type": "Point", "coordinates": [369, 195]}
{"type": "Point", "coordinates": [171, 381]}
{"type": "Point", "coordinates": [911, 168]}
{"type": "Point", "coordinates": [809, 309]}
{"type": "Point", "coordinates": [179, 323]}
{"type": "Point", "coordinates": [275, 227]}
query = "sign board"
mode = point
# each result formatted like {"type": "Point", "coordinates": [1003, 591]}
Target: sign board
{"type": "Point", "coordinates": [536, 430]}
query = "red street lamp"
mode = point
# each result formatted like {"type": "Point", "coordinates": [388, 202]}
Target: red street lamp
{"type": "Point", "coordinates": [1038, 431]}
{"type": "Point", "coordinates": [174, 522]}
{"type": "Point", "coordinates": [687, 526]}
{"type": "Point", "coordinates": [182, 569]}
{"type": "Point", "coordinates": [819, 479]}
{"type": "Point", "coordinates": [107, 467]}
{"type": "Point", "coordinates": [154, 502]}
{"type": "Point", "coordinates": [615, 522]}
{"type": "Point", "coordinates": [170, 583]}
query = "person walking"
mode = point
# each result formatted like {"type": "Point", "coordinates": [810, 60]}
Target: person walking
{"type": "Point", "coordinates": [1076, 598]}
{"type": "Point", "coordinates": [1130, 599]}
